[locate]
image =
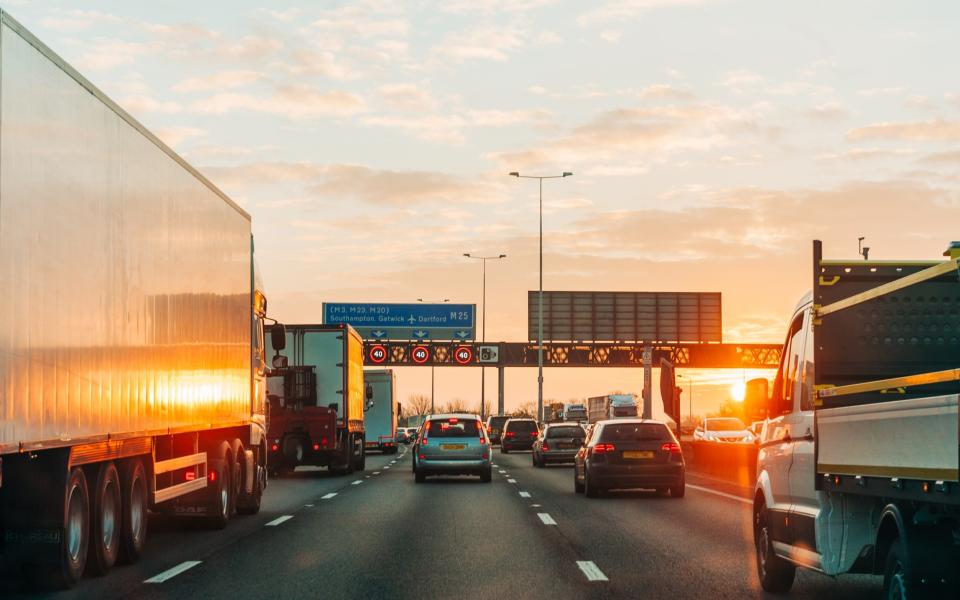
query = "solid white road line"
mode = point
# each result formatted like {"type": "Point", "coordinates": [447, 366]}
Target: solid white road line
{"type": "Point", "coordinates": [591, 570]}
{"type": "Point", "coordinates": [328, 496]}
{"type": "Point", "coordinates": [546, 518]}
{"type": "Point", "coordinates": [721, 494]}
{"type": "Point", "coordinates": [171, 573]}
{"type": "Point", "coordinates": [357, 482]}
{"type": "Point", "coordinates": [524, 494]}
{"type": "Point", "coordinates": [511, 481]}
{"type": "Point", "coordinates": [279, 520]}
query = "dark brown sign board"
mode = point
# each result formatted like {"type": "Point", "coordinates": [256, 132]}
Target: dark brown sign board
{"type": "Point", "coordinates": [667, 317]}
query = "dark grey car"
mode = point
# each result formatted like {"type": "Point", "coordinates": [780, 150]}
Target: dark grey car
{"type": "Point", "coordinates": [557, 443]}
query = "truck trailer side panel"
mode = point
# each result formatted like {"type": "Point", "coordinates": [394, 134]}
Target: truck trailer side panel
{"type": "Point", "coordinates": [125, 274]}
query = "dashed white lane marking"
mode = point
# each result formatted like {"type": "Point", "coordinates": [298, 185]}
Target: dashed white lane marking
{"type": "Point", "coordinates": [721, 494]}
{"type": "Point", "coordinates": [376, 472]}
{"type": "Point", "coordinates": [387, 467]}
{"type": "Point", "coordinates": [511, 481]}
{"type": "Point", "coordinates": [308, 505]}
{"type": "Point", "coordinates": [494, 466]}
{"type": "Point", "coordinates": [393, 462]}
{"type": "Point", "coordinates": [357, 482]}
{"type": "Point", "coordinates": [524, 494]}
{"type": "Point", "coordinates": [502, 472]}
{"type": "Point", "coordinates": [278, 520]}
{"type": "Point", "coordinates": [328, 496]}
{"type": "Point", "coordinates": [171, 573]}
{"type": "Point", "coordinates": [534, 506]}
{"type": "Point", "coordinates": [591, 570]}
{"type": "Point", "coordinates": [546, 518]}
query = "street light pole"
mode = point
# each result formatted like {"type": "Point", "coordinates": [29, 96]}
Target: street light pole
{"type": "Point", "coordinates": [540, 293]}
{"type": "Point", "coordinates": [483, 330]}
{"type": "Point", "coordinates": [432, 379]}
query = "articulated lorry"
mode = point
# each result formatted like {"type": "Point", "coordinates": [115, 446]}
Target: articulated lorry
{"type": "Point", "coordinates": [858, 469]}
{"type": "Point", "coordinates": [380, 418]}
{"type": "Point", "coordinates": [132, 364]}
{"type": "Point", "coordinates": [317, 395]}
{"type": "Point", "coordinates": [611, 406]}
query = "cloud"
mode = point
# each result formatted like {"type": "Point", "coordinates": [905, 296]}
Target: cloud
{"type": "Point", "coordinates": [218, 81]}
{"type": "Point", "coordinates": [504, 118]}
{"type": "Point", "coordinates": [864, 154]}
{"type": "Point", "coordinates": [493, 7]}
{"type": "Point", "coordinates": [407, 97]}
{"type": "Point", "coordinates": [829, 111]}
{"type": "Point", "coordinates": [618, 10]}
{"type": "Point", "coordinates": [485, 42]}
{"type": "Point", "coordinates": [106, 54]}
{"type": "Point", "coordinates": [664, 92]}
{"type": "Point", "coordinates": [447, 129]}
{"type": "Point", "coordinates": [935, 130]}
{"type": "Point", "coordinates": [175, 136]}
{"type": "Point", "coordinates": [738, 79]}
{"type": "Point", "coordinates": [77, 20]}
{"type": "Point", "coordinates": [951, 158]}
{"type": "Point", "coordinates": [611, 36]}
{"type": "Point", "coordinates": [294, 101]}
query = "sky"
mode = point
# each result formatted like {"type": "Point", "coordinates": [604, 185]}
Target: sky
{"type": "Point", "coordinates": [710, 142]}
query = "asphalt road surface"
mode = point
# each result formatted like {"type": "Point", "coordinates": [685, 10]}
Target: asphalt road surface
{"type": "Point", "coordinates": [526, 535]}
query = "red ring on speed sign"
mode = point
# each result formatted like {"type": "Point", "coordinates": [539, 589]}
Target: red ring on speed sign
{"type": "Point", "coordinates": [463, 355]}
{"type": "Point", "coordinates": [377, 354]}
{"type": "Point", "coordinates": [420, 354]}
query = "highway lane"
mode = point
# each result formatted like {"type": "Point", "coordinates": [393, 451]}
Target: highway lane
{"type": "Point", "coordinates": [173, 541]}
{"type": "Point", "coordinates": [389, 537]}
{"type": "Point", "coordinates": [700, 546]}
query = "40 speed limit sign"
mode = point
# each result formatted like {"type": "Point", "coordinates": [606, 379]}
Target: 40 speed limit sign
{"type": "Point", "coordinates": [463, 355]}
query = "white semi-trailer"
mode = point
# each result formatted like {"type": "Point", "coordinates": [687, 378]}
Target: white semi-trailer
{"type": "Point", "coordinates": [380, 418]}
{"type": "Point", "coordinates": [611, 406]}
{"type": "Point", "coordinates": [858, 468]}
{"type": "Point", "coordinates": [131, 329]}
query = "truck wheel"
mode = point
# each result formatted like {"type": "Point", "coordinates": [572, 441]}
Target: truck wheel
{"type": "Point", "coordinates": [776, 575]}
{"type": "Point", "coordinates": [220, 515]}
{"type": "Point", "coordinates": [105, 520]}
{"type": "Point", "coordinates": [486, 476]}
{"type": "Point", "coordinates": [133, 524]}
{"type": "Point", "coordinates": [250, 505]}
{"type": "Point", "coordinates": [420, 476]}
{"type": "Point", "coordinates": [76, 536]}
{"type": "Point", "coordinates": [362, 465]}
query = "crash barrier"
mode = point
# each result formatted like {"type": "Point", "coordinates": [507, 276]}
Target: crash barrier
{"type": "Point", "coordinates": [736, 463]}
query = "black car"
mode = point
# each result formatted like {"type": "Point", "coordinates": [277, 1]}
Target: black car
{"type": "Point", "coordinates": [518, 434]}
{"type": "Point", "coordinates": [495, 426]}
{"type": "Point", "coordinates": [558, 443]}
{"type": "Point", "coordinates": [630, 453]}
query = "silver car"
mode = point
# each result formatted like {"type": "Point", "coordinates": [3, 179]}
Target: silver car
{"type": "Point", "coordinates": [452, 444]}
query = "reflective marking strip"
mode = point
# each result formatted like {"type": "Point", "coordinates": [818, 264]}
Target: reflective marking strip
{"type": "Point", "coordinates": [328, 496]}
{"type": "Point", "coordinates": [357, 482]}
{"type": "Point", "coordinates": [524, 494]}
{"type": "Point", "coordinates": [171, 573]}
{"type": "Point", "coordinates": [279, 520]}
{"type": "Point", "coordinates": [511, 481]}
{"type": "Point", "coordinates": [721, 494]}
{"type": "Point", "coordinates": [546, 518]}
{"type": "Point", "coordinates": [591, 570]}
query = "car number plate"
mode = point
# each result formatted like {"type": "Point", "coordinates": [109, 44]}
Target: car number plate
{"type": "Point", "coordinates": [637, 454]}
{"type": "Point", "coordinates": [453, 446]}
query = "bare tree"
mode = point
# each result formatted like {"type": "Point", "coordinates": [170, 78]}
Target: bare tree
{"type": "Point", "coordinates": [527, 409]}
{"type": "Point", "coordinates": [417, 404]}
{"type": "Point", "coordinates": [457, 405]}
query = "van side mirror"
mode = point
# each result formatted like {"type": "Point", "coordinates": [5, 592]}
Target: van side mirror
{"type": "Point", "coordinates": [756, 400]}
{"type": "Point", "coordinates": [278, 337]}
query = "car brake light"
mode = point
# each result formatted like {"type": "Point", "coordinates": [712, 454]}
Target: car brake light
{"type": "Point", "coordinates": [545, 447]}
{"type": "Point", "coordinates": [274, 448]}
{"type": "Point", "coordinates": [422, 457]}
{"type": "Point", "coordinates": [603, 448]}
{"type": "Point", "coordinates": [509, 434]}
{"type": "Point", "coordinates": [534, 434]}
{"type": "Point", "coordinates": [453, 420]}
{"type": "Point", "coordinates": [316, 446]}
{"type": "Point", "coordinates": [671, 447]}
{"type": "Point", "coordinates": [324, 441]}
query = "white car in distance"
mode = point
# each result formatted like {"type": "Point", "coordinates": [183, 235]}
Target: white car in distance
{"type": "Point", "coordinates": [723, 429]}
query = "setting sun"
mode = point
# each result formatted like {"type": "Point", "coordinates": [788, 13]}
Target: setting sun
{"type": "Point", "coordinates": [738, 391]}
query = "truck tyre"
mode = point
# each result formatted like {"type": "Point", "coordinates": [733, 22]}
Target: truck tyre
{"type": "Point", "coordinates": [250, 504]}
{"type": "Point", "coordinates": [486, 475]}
{"type": "Point", "coordinates": [133, 523]}
{"type": "Point", "coordinates": [899, 580]}
{"type": "Point", "coordinates": [105, 520]}
{"type": "Point", "coordinates": [776, 575]}
{"type": "Point", "coordinates": [220, 509]}
{"type": "Point", "coordinates": [420, 476]}
{"type": "Point", "coordinates": [76, 536]}
{"type": "Point", "coordinates": [362, 463]}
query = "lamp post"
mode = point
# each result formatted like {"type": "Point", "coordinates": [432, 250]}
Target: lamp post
{"type": "Point", "coordinates": [432, 409]}
{"type": "Point", "coordinates": [483, 331]}
{"type": "Point", "coordinates": [540, 178]}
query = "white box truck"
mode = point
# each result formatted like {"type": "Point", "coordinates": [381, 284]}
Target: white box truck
{"type": "Point", "coordinates": [612, 406]}
{"type": "Point", "coordinates": [858, 469]}
{"type": "Point", "coordinates": [380, 418]}
{"type": "Point", "coordinates": [131, 329]}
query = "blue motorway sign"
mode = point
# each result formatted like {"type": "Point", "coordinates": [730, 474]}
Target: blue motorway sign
{"type": "Point", "coordinates": [405, 321]}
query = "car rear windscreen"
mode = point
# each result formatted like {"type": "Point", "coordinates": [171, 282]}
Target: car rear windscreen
{"type": "Point", "coordinates": [635, 432]}
{"type": "Point", "coordinates": [497, 422]}
{"type": "Point", "coordinates": [565, 432]}
{"type": "Point", "coordinates": [725, 425]}
{"type": "Point", "coordinates": [452, 428]}
{"type": "Point", "coordinates": [522, 426]}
